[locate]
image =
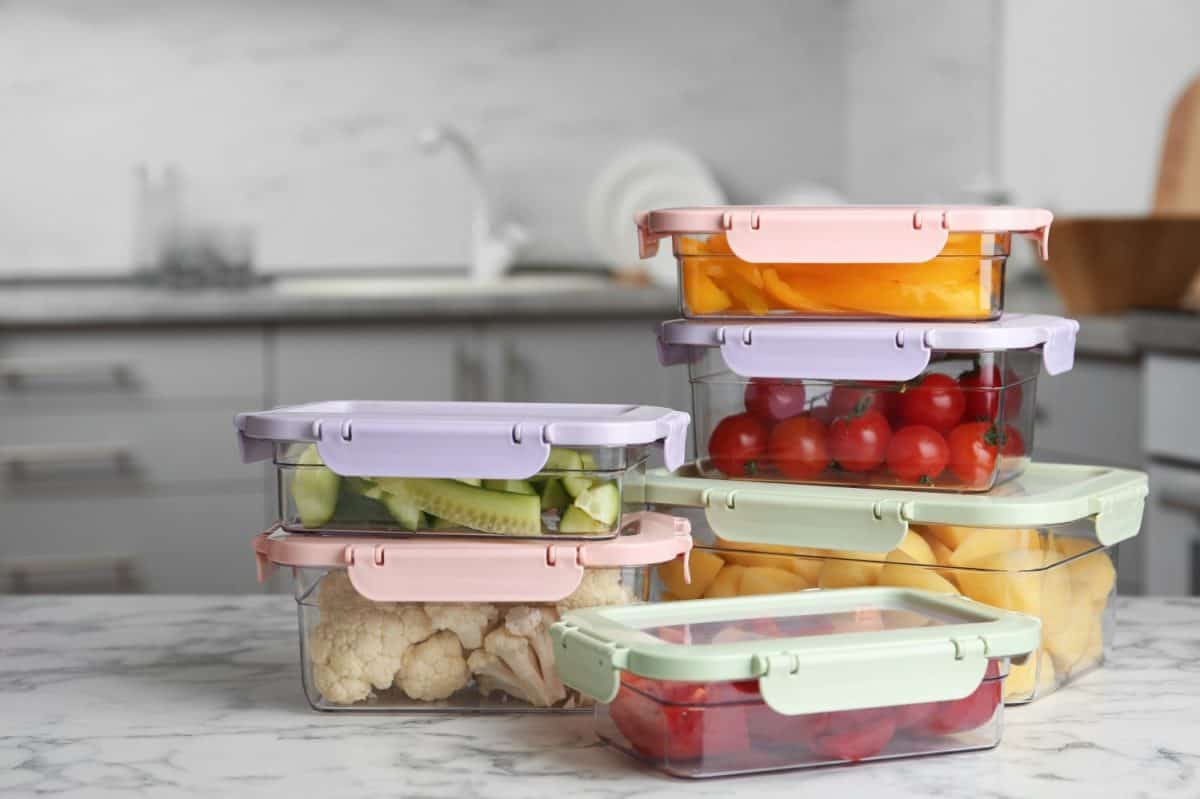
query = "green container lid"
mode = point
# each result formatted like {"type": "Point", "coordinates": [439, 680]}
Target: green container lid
{"type": "Point", "coordinates": [811, 651]}
{"type": "Point", "coordinates": [875, 520]}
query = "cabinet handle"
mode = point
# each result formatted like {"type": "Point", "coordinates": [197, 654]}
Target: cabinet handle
{"type": "Point", "coordinates": [1180, 502]}
{"type": "Point", "coordinates": [18, 375]}
{"type": "Point", "coordinates": [516, 376]}
{"type": "Point", "coordinates": [20, 460]}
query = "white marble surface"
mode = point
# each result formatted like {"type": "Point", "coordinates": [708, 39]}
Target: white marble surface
{"type": "Point", "coordinates": [183, 696]}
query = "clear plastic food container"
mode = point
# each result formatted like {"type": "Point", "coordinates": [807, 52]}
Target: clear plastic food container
{"type": "Point", "coordinates": [939, 406]}
{"type": "Point", "coordinates": [425, 624]}
{"type": "Point", "coordinates": [1044, 545]}
{"type": "Point", "coordinates": [459, 468]}
{"type": "Point", "coordinates": [849, 262]}
{"type": "Point", "coordinates": [732, 686]}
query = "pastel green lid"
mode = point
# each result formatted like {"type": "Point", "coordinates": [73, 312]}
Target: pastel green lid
{"type": "Point", "coordinates": [811, 651]}
{"type": "Point", "coordinates": [875, 520]}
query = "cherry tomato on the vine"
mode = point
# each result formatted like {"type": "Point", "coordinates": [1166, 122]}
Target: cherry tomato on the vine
{"type": "Point", "coordinates": [917, 454]}
{"type": "Point", "coordinates": [798, 449]}
{"type": "Point", "coordinates": [859, 443]}
{"type": "Point", "coordinates": [774, 400]}
{"type": "Point", "coordinates": [936, 401]}
{"type": "Point", "coordinates": [974, 447]}
{"type": "Point", "coordinates": [738, 445]}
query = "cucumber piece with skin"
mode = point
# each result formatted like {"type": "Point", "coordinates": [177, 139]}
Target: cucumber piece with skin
{"type": "Point", "coordinates": [511, 486]}
{"type": "Point", "coordinates": [477, 508]}
{"type": "Point", "coordinates": [588, 461]}
{"type": "Point", "coordinates": [574, 521]}
{"type": "Point", "coordinates": [436, 523]}
{"type": "Point", "coordinates": [355, 511]}
{"type": "Point", "coordinates": [602, 502]}
{"type": "Point", "coordinates": [405, 514]}
{"type": "Point", "coordinates": [563, 460]}
{"type": "Point", "coordinates": [470, 481]}
{"type": "Point", "coordinates": [554, 496]}
{"type": "Point", "coordinates": [576, 485]}
{"type": "Point", "coordinates": [314, 489]}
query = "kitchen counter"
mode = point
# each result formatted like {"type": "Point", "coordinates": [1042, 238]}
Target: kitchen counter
{"type": "Point", "coordinates": [321, 299]}
{"type": "Point", "coordinates": [1166, 331]}
{"type": "Point", "coordinates": [170, 696]}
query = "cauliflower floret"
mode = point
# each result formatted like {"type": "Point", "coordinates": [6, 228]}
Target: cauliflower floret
{"type": "Point", "coordinates": [434, 668]}
{"type": "Point", "coordinates": [470, 622]}
{"type": "Point", "coordinates": [492, 675]}
{"type": "Point", "coordinates": [598, 588]}
{"type": "Point", "coordinates": [516, 652]}
{"type": "Point", "coordinates": [353, 651]}
{"type": "Point", "coordinates": [336, 592]}
{"type": "Point", "coordinates": [534, 625]}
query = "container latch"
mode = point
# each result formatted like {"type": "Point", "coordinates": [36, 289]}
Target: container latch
{"type": "Point", "coordinates": [783, 519]}
{"type": "Point", "coordinates": [856, 676]}
{"type": "Point", "coordinates": [826, 351]}
{"type": "Point", "coordinates": [836, 235]}
{"type": "Point", "coordinates": [588, 664]}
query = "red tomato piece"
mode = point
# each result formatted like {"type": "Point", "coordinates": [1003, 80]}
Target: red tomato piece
{"type": "Point", "coordinates": [1014, 444]}
{"type": "Point", "coordinates": [774, 400]}
{"type": "Point", "coordinates": [845, 400]}
{"type": "Point", "coordinates": [974, 447]}
{"type": "Point", "coordinates": [913, 715]}
{"type": "Point", "coordinates": [738, 445]}
{"type": "Point", "coordinates": [859, 443]}
{"type": "Point", "coordinates": [981, 390]}
{"type": "Point", "coordinates": [852, 734]}
{"type": "Point", "coordinates": [917, 454]}
{"type": "Point", "coordinates": [935, 401]}
{"type": "Point", "coordinates": [690, 730]}
{"type": "Point", "coordinates": [798, 449]}
{"type": "Point", "coordinates": [969, 713]}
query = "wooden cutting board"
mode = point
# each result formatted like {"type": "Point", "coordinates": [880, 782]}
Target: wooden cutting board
{"type": "Point", "coordinates": [1178, 190]}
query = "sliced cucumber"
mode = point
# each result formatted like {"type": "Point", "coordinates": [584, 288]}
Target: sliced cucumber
{"type": "Point", "coordinates": [576, 485]}
{"type": "Point", "coordinates": [554, 496]}
{"type": "Point", "coordinates": [437, 523]}
{"type": "Point", "coordinates": [314, 489]}
{"type": "Point", "coordinates": [477, 508]}
{"type": "Point", "coordinates": [471, 481]}
{"type": "Point", "coordinates": [575, 521]}
{"type": "Point", "coordinates": [511, 486]}
{"type": "Point", "coordinates": [563, 460]}
{"type": "Point", "coordinates": [356, 511]}
{"type": "Point", "coordinates": [588, 460]}
{"type": "Point", "coordinates": [373, 492]}
{"type": "Point", "coordinates": [406, 513]}
{"type": "Point", "coordinates": [602, 502]}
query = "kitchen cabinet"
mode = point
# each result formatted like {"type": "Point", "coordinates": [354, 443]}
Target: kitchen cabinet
{"type": "Point", "coordinates": [417, 361]}
{"type": "Point", "coordinates": [1091, 414]}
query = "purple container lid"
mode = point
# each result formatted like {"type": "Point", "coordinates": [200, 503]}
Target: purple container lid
{"type": "Point", "coordinates": [493, 440]}
{"type": "Point", "coordinates": [862, 350]}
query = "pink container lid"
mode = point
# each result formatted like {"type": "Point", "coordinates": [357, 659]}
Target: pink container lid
{"type": "Point", "coordinates": [841, 234]}
{"type": "Point", "coordinates": [491, 440]}
{"type": "Point", "coordinates": [423, 570]}
{"type": "Point", "coordinates": [822, 350]}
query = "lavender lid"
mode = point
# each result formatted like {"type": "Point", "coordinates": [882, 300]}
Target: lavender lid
{"type": "Point", "coordinates": [497, 440]}
{"type": "Point", "coordinates": [862, 350]}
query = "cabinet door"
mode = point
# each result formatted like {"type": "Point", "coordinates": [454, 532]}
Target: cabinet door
{"type": "Point", "coordinates": [397, 362]}
{"type": "Point", "coordinates": [1091, 414]}
{"type": "Point", "coordinates": [1168, 553]}
{"type": "Point", "coordinates": [588, 361]}
{"type": "Point", "coordinates": [1172, 386]}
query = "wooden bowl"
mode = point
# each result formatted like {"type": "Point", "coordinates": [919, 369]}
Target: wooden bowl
{"type": "Point", "coordinates": [1108, 265]}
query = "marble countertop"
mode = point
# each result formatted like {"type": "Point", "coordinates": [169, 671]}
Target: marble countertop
{"type": "Point", "coordinates": [185, 696]}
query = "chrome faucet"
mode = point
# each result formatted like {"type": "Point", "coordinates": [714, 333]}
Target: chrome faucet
{"type": "Point", "coordinates": [493, 247]}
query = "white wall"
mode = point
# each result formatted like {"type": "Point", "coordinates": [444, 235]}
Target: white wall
{"type": "Point", "coordinates": [1087, 86]}
{"type": "Point", "coordinates": [301, 117]}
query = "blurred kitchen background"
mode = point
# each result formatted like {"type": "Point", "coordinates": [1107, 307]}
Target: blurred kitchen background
{"type": "Point", "coordinates": [222, 206]}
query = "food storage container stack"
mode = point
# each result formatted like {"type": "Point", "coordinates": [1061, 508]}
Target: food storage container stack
{"type": "Point", "coordinates": [863, 415]}
{"type": "Point", "coordinates": [433, 544]}
{"type": "Point", "coordinates": [732, 686]}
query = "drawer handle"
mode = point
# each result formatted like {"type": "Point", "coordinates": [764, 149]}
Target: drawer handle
{"type": "Point", "coordinates": [17, 375]}
{"type": "Point", "coordinates": [19, 461]}
{"type": "Point", "coordinates": [1180, 502]}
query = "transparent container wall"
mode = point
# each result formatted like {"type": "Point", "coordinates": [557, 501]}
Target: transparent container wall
{"type": "Point", "coordinates": [1060, 574]}
{"type": "Point", "coordinates": [713, 729]}
{"type": "Point", "coordinates": [580, 495]}
{"type": "Point", "coordinates": [965, 425]}
{"type": "Point", "coordinates": [386, 656]}
{"type": "Point", "coordinates": [964, 282]}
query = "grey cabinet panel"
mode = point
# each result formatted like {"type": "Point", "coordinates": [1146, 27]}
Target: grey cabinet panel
{"type": "Point", "coordinates": [418, 362]}
{"type": "Point", "coordinates": [122, 449]}
{"type": "Point", "coordinates": [181, 544]}
{"type": "Point", "coordinates": [1091, 414]}
{"type": "Point", "coordinates": [606, 361]}
{"type": "Point", "coordinates": [1167, 551]}
{"type": "Point", "coordinates": [84, 371]}
{"type": "Point", "coordinates": [1172, 394]}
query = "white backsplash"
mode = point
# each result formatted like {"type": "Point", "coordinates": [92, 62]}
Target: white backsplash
{"type": "Point", "coordinates": [301, 118]}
